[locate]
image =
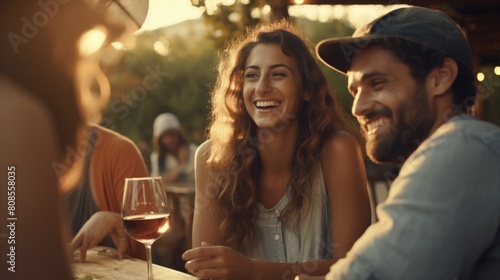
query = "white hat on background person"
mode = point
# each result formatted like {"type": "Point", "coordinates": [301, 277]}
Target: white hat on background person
{"type": "Point", "coordinates": [165, 122]}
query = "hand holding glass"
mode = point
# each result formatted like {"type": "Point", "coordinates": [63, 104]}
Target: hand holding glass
{"type": "Point", "coordinates": [145, 212]}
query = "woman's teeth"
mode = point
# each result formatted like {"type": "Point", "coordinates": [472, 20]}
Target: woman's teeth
{"type": "Point", "coordinates": [267, 104]}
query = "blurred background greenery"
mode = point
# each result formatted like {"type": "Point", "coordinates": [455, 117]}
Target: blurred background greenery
{"type": "Point", "coordinates": [172, 69]}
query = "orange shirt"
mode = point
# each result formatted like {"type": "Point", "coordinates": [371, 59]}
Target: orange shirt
{"type": "Point", "coordinates": [115, 158]}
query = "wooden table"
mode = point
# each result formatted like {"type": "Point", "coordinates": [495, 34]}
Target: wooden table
{"type": "Point", "coordinates": [168, 248]}
{"type": "Point", "coordinates": [103, 264]}
{"type": "Point", "coordinates": [180, 188]}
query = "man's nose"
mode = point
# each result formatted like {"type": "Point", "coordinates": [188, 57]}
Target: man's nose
{"type": "Point", "coordinates": [362, 104]}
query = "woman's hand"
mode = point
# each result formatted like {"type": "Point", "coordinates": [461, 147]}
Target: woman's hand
{"type": "Point", "coordinates": [95, 229]}
{"type": "Point", "coordinates": [218, 262]}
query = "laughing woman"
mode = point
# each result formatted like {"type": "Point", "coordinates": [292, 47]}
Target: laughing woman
{"type": "Point", "coordinates": [280, 183]}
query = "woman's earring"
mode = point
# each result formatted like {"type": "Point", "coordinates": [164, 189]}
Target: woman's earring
{"type": "Point", "coordinates": [307, 96]}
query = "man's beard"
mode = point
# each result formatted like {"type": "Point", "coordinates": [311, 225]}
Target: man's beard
{"type": "Point", "coordinates": [414, 121]}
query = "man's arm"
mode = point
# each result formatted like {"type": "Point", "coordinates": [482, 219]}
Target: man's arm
{"type": "Point", "coordinates": [437, 219]}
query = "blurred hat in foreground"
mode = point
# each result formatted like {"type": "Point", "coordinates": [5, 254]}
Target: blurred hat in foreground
{"type": "Point", "coordinates": [131, 13]}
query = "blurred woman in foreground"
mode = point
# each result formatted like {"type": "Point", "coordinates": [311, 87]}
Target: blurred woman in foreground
{"type": "Point", "coordinates": [44, 78]}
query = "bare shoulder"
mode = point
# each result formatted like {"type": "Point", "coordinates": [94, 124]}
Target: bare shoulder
{"type": "Point", "coordinates": [342, 161]}
{"type": "Point", "coordinates": [18, 101]}
{"type": "Point", "coordinates": [15, 102]}
{"type": "Point", "coordinates": [341, 145]}
{"type": "Point", "coordinates": [203, 151]}
{"type": "Point", "coordinates": [201, 166]}
{"type": "Point", "coordinates": [29, 143]}
{"type": "Point", "coordinates": [29, 136]}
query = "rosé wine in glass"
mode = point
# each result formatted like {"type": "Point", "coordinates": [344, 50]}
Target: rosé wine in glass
{"type": "Point", "coordinates": [145, 212]}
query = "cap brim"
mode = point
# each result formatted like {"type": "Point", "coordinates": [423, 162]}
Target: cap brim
{"type": "Point", "coordinates": [130, 14]}
{"type": "Point", "coordinates": [337, 53]}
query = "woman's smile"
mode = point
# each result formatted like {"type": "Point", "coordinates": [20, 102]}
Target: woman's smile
{"type": "Point", "coordinates": [272, 87]}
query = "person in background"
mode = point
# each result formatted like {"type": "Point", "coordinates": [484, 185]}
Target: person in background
{"type": "Point", "coordinates": [41, 118]}
{"type": "Point", "coordinates": [413, 83]}
{"type": "Point", "coordinates": [173, 155]}
{"type": "Point", "coordinates": [94, 204]}
{"type": "Point", "coordinates": [280, 182]}
{"type": "Point", "coordinates": [173, 160]}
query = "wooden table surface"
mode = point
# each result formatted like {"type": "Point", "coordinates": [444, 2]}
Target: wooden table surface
{"type": "Point", "coordinates": [103, 264]}
{"type": "Point", "coordinates": [182, 189]}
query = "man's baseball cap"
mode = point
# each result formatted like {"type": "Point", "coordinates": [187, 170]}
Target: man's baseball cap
{"type": "Point", "coordinates": [427, 27]}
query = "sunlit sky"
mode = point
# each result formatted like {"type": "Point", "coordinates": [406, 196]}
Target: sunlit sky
{"type": "Point", "coordinates": [168, 12]}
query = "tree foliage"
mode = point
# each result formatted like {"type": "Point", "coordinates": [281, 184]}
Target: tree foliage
{"type": "Point", "coordinates": [165, 73]}
{"type": "Point", "coordinates": [145, 84]}
{"type": "Point", "coordinates": [318, 31]}
{"type": "Point", "coordinates": [230, 20]}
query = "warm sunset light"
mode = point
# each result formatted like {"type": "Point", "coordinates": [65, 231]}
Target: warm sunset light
{"type": "Point", "coordinates": [92, 40]}
{"type": "Point", "coordinates": [163, 13]}
{"type": "Point", "coordinates": [167, 12]}
{"type": "Point", "coordinates": [164, 228]}
{"type": "Point", "coordinates": [497, 70]}
{"type": "Point", "coordinates": [161, 46]}
{"type": "Point", "coordinates": [480, 76]}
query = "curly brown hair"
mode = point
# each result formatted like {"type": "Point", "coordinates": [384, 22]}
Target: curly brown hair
{"type": "Point", "coordinates": [233, 154]}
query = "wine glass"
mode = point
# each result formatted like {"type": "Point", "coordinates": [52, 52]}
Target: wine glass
{"type": "Point", "coordinates": [145, 212]}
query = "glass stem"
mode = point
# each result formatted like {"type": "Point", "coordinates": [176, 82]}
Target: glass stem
{"type": "Point", "coordinates": [149, 260]}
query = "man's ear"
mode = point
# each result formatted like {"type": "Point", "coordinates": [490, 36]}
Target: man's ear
{"type": "Point", "coordinates": [440, 79]}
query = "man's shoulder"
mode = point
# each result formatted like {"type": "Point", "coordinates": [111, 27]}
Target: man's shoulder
{"type": "Point", "coordinates": [462, 136]}
{"type": "Point", "coordinates": [109, 139]}
{"type": "Point", "coordinates": [469, 130]}
{"type": "Point", "coordinates": [468, 124]}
